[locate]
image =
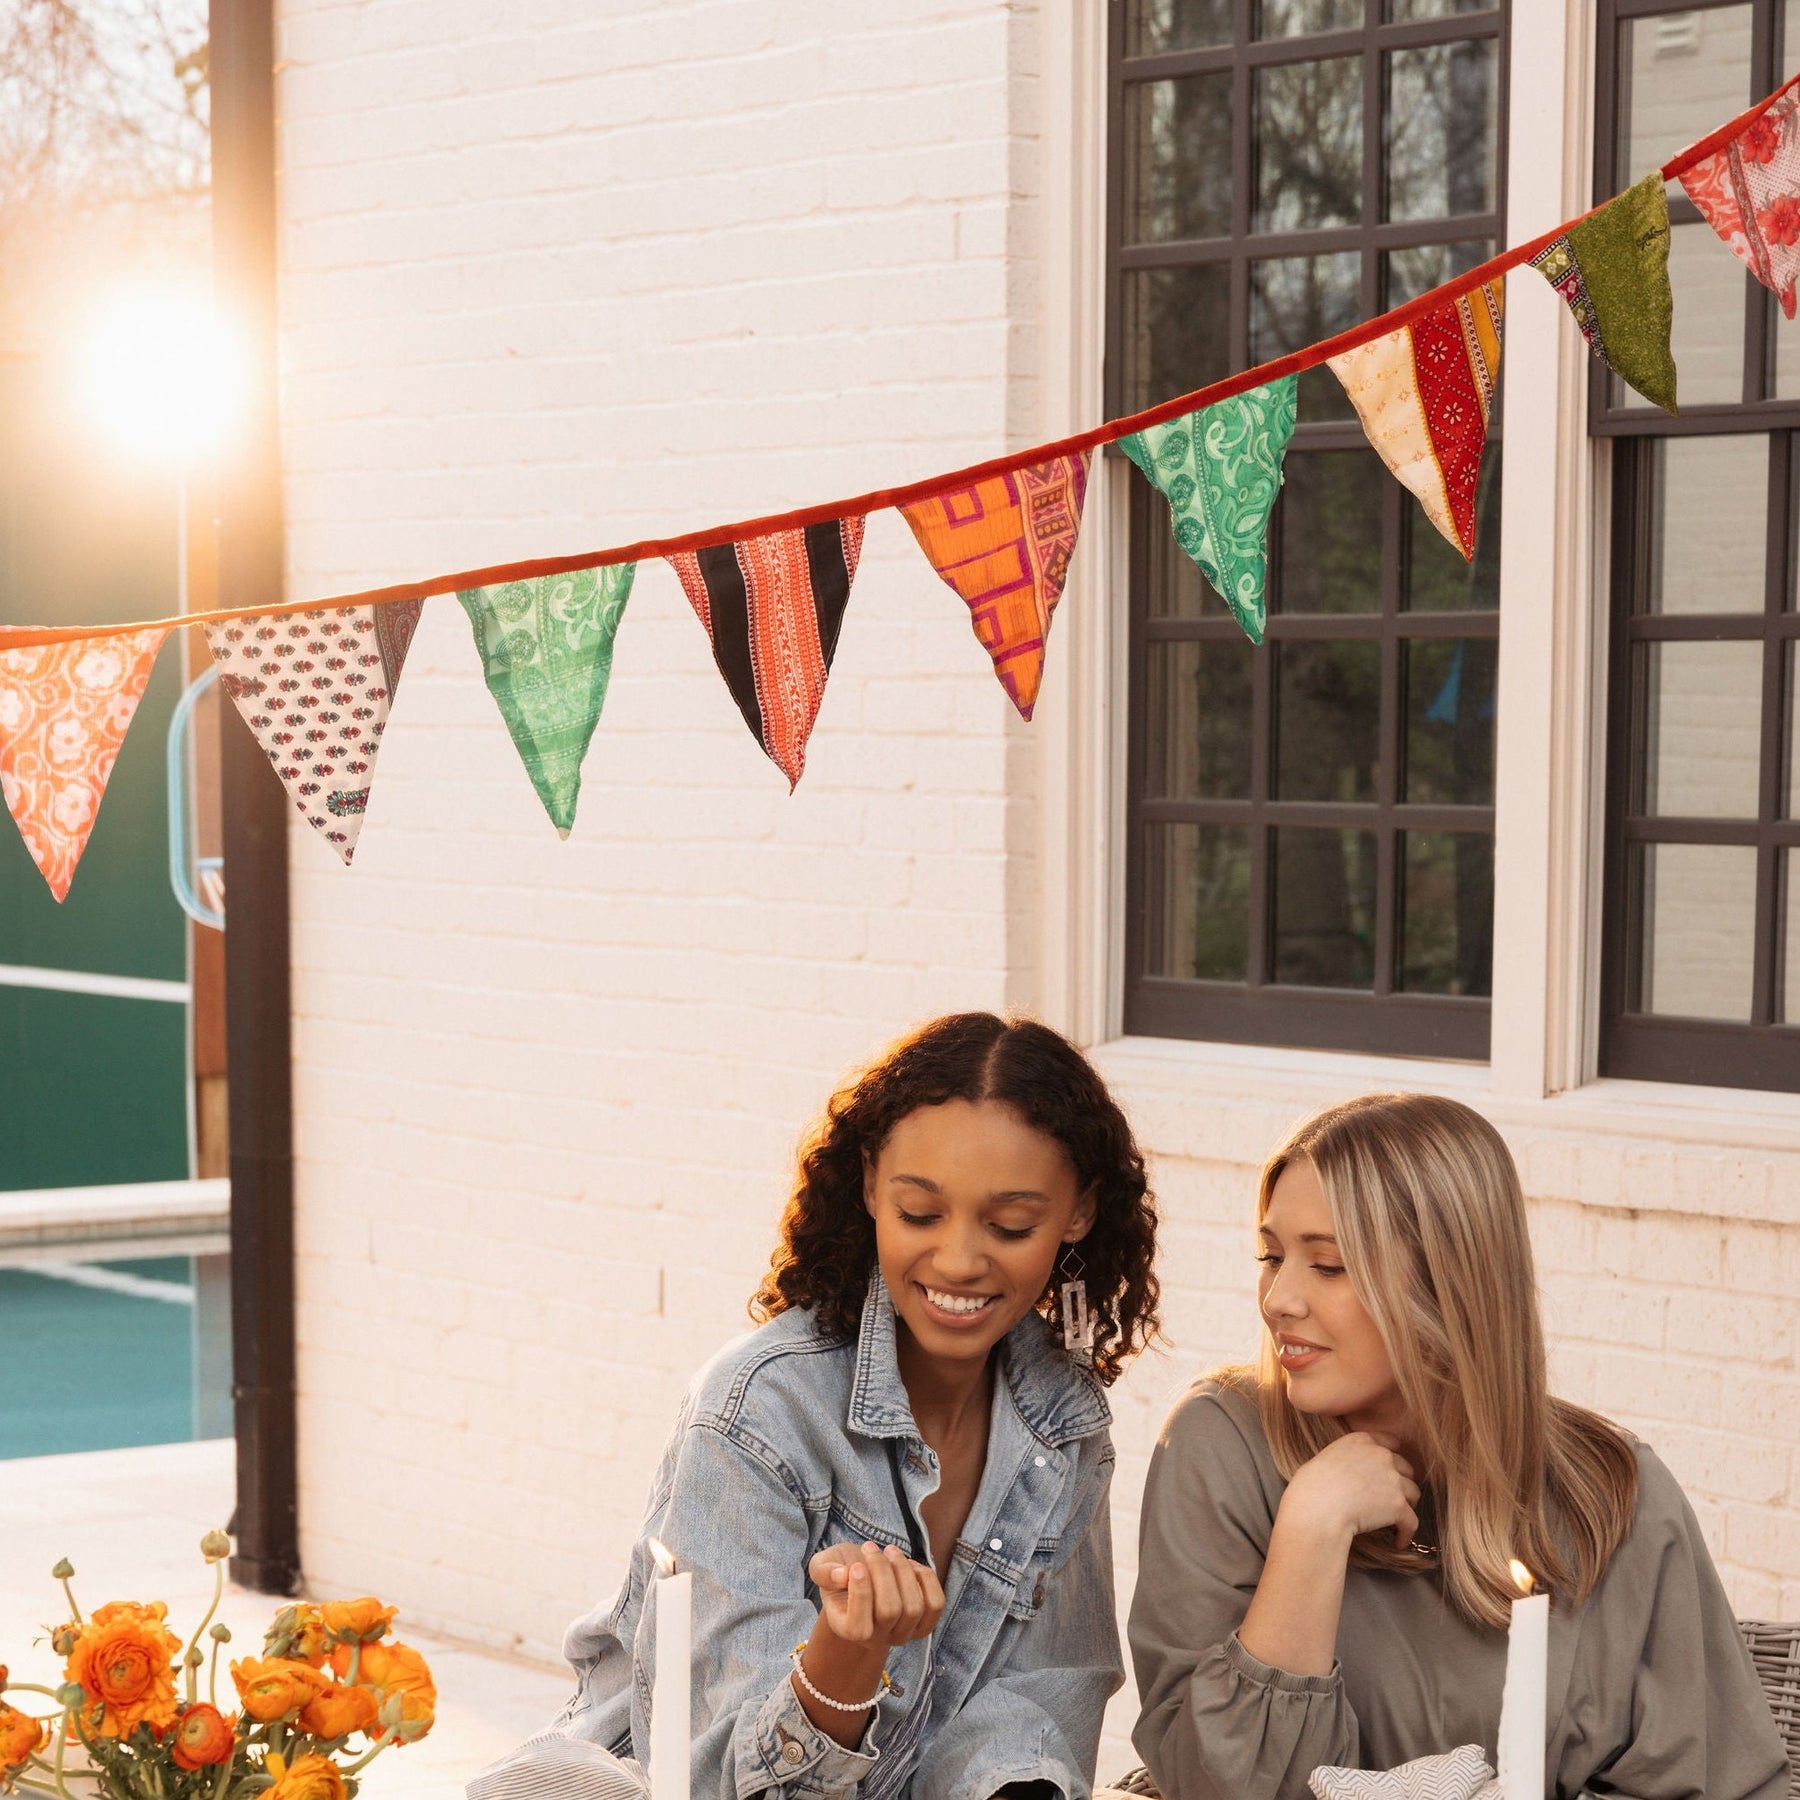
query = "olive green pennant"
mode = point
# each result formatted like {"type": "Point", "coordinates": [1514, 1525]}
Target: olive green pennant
{"type": "Point", "coordinates": [1220, 470]}
{"type": "Point", "coordinates": [546, 647]}
{"type": "Point", "coordinates": [1612, 271]}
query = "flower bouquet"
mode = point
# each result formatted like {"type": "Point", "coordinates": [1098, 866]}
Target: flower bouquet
{"type": "Point", "coordinates": [330, 1692]}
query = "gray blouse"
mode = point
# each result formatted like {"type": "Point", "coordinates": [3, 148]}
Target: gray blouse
{"type": "Point", "coordinates": [1652, 1692]}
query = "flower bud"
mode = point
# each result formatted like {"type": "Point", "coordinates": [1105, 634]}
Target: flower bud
{"type": "Point", "coordinates": [71, 1693]}
{"type": "Point", "coordinates": [215, 1546]}
{"type": "Point", "coordinates": [64, 1639]}
{"type": "Point", "coordinates": [391, 1710]}
{"type": "Point", "coordinates": [220, 1633]}
{"type": "Point", "coordinates": [194, 1658]}
{"type": "Point", "coordinates": [63, 1570]}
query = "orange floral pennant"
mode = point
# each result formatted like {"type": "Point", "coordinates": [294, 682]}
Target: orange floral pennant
{"type": "Point", "coordinates": [64, 709]}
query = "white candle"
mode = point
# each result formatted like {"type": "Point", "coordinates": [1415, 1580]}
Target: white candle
{"type": "Point", "coordinates": [671, 1696]}
{"type": "Point", "coordinates": [1525, 1696]}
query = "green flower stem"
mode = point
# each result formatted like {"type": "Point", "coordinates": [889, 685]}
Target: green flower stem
{"type": "Point", "coordinates": [193, 1675]}
{"type": "Point", "coordinates": [368, 1756]}
{"type": "Point", "coordinates": [212, 1679]}
{"type": "Point", "coordinates": [74, 1610]}
{"type": "Point", "coordinates": [30, 1687]}
{"type": "Point", "coordinates": [355, 1663]}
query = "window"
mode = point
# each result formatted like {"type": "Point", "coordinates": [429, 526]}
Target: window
{"type": "Point", "coordinates": [1701, 964]}
{"type": "Point", "coordinates": [1310, 852]}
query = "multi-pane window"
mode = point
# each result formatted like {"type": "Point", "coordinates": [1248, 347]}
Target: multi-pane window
{"type": "Point", "coordinates": [1311, 832]}
{"type": "Point", "coordinates": [1701, 967]}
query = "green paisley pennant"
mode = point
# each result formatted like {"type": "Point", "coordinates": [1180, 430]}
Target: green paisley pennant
{"type": "Point", "coordinates": [546, 646]}
{"type": "Point", "coordinates": [1220, 470]}
{"type": "Point", "coordinates": [1612, 270]}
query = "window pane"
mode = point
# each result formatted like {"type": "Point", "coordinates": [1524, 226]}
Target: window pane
{"type": "Point", "coordinates": [1707, 339]}
{"type": "Point", "coordinates": [1295, 301]}
{"type": "Point", "coordinates": [1447, 926]}
{"type": "Point", "coordinates": [1177, 588]}
{"type": "Point", "coordinates": [1710, 500]}
{"type": "Point", "coordinates": [1685, 72]}
{"type": "Point", "coordinates": [1197, 882]}
{"type": "Point", "coordinates": [1152, 26]}
{"type": "Point", "coordinates": [1309, 145]}
{"type": "Point", "coordinates": [1178, 158]}
{"type": "Point", "coordinates": [1701, 741]}
{"type": "Point", "coordinates": [1175, 336]}
{"type": "Point", "coordinates": [1328, 533]}
{"type": "Point", "coordinates": [1297, 18]}
{"type": "Point", "coordinates": [1420, 268]}
{"type": "Point", "coordinates": [1442, 108]}
{"type": "Point", "coordinates": [1698, 930]}
{"type": "Point", "coordinates": [1325, 908]}
{"type": "Point", "coordinates": [1327, 720]}
{"type": "Point", "coordinates": [1450, 722]}
{"type": "Point", "coordinates": [1199, 698]}
{"type": "Point", "coordinates": [1400, 11]}
{"type": "Point", "coordinates": [1437, 577]}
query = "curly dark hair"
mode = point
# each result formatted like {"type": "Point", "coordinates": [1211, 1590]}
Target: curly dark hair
{"type": "Point", "coordinates": [827, 1247]}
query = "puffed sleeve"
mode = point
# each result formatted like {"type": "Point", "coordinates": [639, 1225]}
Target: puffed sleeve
{"type": "Point", "coordinates": [1664, 1702]}
{"type": "Point", "coordinates": [1214, 1722]}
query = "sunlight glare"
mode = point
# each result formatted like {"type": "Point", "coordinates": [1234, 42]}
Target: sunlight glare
{"type": "Point", "coordinates": [163, 377]}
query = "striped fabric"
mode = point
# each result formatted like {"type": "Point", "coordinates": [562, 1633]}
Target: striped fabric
{"type": "Point", "coordinates": [1460, 1774]}
{"type": "Point", "coordinates": [1424, 393]}
{"type": "Point", "coordinates": [556, 1766]}
{"type": "Point", "coordinates": [772, 607]}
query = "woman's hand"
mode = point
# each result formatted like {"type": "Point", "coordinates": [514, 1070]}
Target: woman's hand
{"type": "Point", "coordinates": [874, 1597]}
{"type": "Point", "coordinates": [1359, 1483]}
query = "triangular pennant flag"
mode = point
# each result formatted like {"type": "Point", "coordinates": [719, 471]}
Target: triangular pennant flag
{"type": "Point", "coordinates": [316, 688]}
{"type": "Point", "coordinates": [1613, 271]}
{"type": "Point", "coordinates": [1424, 393]}
{"type": "Point", "coordinates": [772, 607]}
{"type": "Point", "coordinates": [1004, 544]}
{"type": "Point", "coordinates": [64, 709]}
{"type": "Point", "coordinates": [1749, 193]}
{"type": "Point", "coordinates": [547, 645]}
{"type": "Point", "coordinates": [1220, 470]}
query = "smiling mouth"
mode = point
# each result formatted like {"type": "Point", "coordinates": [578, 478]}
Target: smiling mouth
{"type": "Point", "coordinates": [960, 1308]}
{"type": "Point", "coordinates": [1294, 1353]}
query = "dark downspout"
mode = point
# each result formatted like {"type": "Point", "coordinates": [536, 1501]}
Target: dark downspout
{"type": "Point", "coordinates": [257, 1014]}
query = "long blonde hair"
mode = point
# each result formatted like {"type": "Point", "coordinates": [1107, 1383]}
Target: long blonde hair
{"type": "Point", "coordinates": [1430, 1221]}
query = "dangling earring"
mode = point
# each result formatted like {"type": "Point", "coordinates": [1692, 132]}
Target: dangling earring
{"type": "Point", "coordinates": [1077, 1320]}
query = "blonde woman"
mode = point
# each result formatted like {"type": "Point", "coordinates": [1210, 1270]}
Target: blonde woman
{"type": "Point", "coordinates": [1323, 1576]}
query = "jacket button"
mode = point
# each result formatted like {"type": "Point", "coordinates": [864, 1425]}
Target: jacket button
{"type": "Point", "coordinates": [995, 1544]}
{"type": "Point", "coordinates": [1038, 1460]}
{"type": "Point", "coordinates": [792, 1752]}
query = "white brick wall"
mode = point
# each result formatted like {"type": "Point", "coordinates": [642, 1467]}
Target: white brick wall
{"type": "Point", "coordinates": [559, 274]}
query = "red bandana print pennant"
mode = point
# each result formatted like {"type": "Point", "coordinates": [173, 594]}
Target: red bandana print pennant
{"type": "Point", "coordinates": [1749, 193]}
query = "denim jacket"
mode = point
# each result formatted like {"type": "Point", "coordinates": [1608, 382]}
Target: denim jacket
{"type": "Point", "coordinates": [781, 1449]}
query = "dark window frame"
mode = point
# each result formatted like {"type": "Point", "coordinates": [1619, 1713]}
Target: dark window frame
{"type": "Point", "coordinates": [1761, 1053]}
{"type": "Point", "coordinates": [1382, 1019]}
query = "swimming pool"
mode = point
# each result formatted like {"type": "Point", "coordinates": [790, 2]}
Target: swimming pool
{"type": "Point", "coordinates": [102, 1355]}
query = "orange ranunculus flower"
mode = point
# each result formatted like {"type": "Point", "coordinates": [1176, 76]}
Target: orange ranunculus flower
{"type": "Point", "coordinates": [298, 1634]}
{"type": "Point", "coordinates": [124, 1658]}
{"type": "Point", "coordinates": [308, 1778]}
{"type": "Point", "coordinates": [390, 1668]}
{"type": "Point", "coordinates": [19, 1736]}
{"type": "Point", "coordinates": [356, 1621]}
{"type": "Point", "coordinates": [204, 1737]}
{"type": "Point", "coordinates": [340, 1710]}
{"type": "Point", "coordinates": [271, 1689]}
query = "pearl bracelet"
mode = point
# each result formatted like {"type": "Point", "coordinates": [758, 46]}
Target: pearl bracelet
{"type": "Point", "coordinates": [843, 1706]}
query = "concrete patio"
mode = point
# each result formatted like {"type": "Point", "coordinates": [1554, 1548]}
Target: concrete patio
{"type": "Point", "coordinates": [131, 1522]}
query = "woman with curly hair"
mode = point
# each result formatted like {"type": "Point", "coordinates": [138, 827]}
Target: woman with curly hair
{"type": "Point", "coordinates": [892, 1496]}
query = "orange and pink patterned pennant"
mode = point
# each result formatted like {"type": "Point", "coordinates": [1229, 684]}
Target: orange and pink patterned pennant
{"type": "Point", "coordinates": [64, 710]}
{"type": "Point", "coordinates": [1005, 544]}
{"type": "Point", "coordinates": [1749, 193]}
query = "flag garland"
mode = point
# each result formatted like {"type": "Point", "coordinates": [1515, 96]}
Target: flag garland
{"type": "Point", "coordinates": [1748, 191]}
{"type": "Point", "coordinates": [64, 711]}
{"type": "Point", "coordinates": [316, 689]}
{"type": "Point", "coordinates": [1423, 394]}
{"type": "Point", "coordinates": [1005, 545]}
{"type": "Point", "coordinates": [1220, 470]}
{"type": "Point", "coordinates": [1612, 271]}
{"type": "Point", "coordinates": [771, 592]}
{"type": "Point", "coordinates": [772, 607]}
{"type": "Point", "coordinates": [546, 648]}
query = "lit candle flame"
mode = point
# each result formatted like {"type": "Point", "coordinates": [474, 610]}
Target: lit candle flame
{"type": "Point", "coordinates": [1523, 1579]}
{"type": "Point", "coordinates": [665, 1557]}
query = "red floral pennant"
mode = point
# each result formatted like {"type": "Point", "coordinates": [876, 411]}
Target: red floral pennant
{"type": "Point", "coordinates": [1749, 193]}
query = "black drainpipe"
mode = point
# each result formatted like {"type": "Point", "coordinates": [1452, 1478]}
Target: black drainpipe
{"type": "Point", "coordinates": [257, 1012]}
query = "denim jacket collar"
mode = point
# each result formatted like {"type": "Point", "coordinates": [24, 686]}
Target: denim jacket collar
{"type": "Point", "coordinates": [1058, 1398]}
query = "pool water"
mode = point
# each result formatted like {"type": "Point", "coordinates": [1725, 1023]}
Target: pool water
{"type": "Point", "coordinates": [100, 1356]}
